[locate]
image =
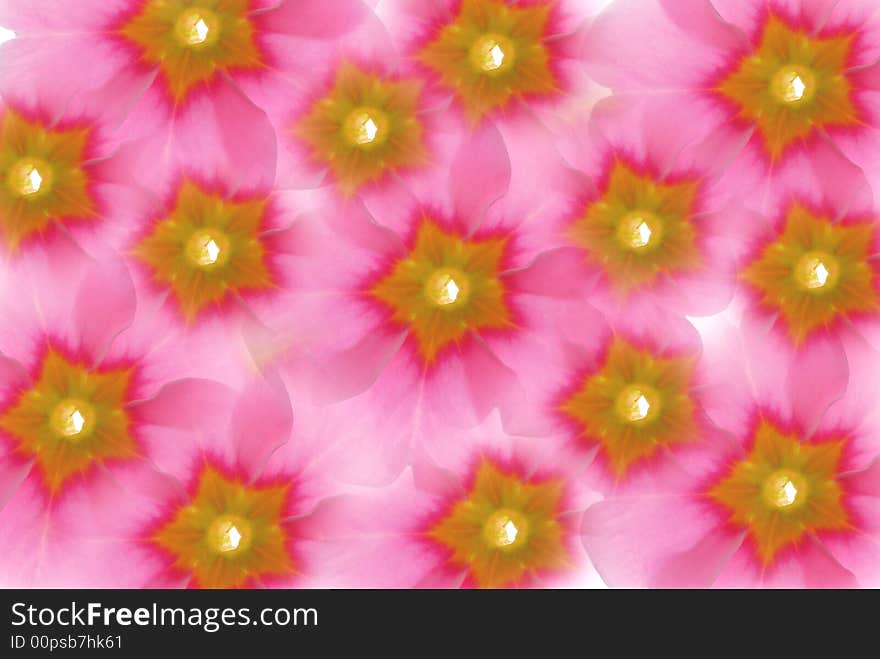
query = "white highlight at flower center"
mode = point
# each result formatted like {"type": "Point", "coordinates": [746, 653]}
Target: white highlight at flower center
{"type": "Point", "coordinates": [200, 31]}
{"type": "Point", "coordinates": [794, 84]}
{"type": "Point", "coordinates": [506, 529]}
{"type": "Point", "coordinates": [785, 489]}
{"type": "Point", "coordinates": [69, 418]}
{"type": "Point", "coordinates": [789, 494]}
{"type": "Point", "coordinates": [208, 247]}
{"type": "Point", "coordinates": [197, 26]}
{"type": "Point", "coordinates": [77, 421]}
{"type": "Point", "coordinates": [820, 273]}
{"type": "Point", "coordinates": [492, 53]}
{"type": "Point", "coordinates": [638, 403]}
{"type": "Point", "coordinates": [447, 286]}
{"type": "Point", "coordinates": [230, 539]}
{"type": "Point", "coordinates": [33, 182]}
{"type": "Point", "coordinates": [642, 236]}
{"type": "Point", "coordinates": [642, 408]}
{"type": "Point", "coordinates": [367, 131]}
{"type": "Point", "coordinates": [451, 292]}
{"type": "Point", "coordinates": [797, 89]}
{"type": "Point", "coordinates": [212, 252]}
{"type": "Point", "coordinates": [510, 533]}
{"type": "Point", "coordinates": [494, 58]}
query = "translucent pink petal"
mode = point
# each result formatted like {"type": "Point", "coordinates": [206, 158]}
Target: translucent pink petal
{"type": "Point", "coordinates": [480, 173]}
{"type": "Point", "coordinates": [646, 541]}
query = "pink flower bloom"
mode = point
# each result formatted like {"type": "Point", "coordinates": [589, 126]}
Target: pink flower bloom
{"type": "Point", "coordinates": [494, 512]}
{"type": "Point", "coordinates": [58, 171]}
{"type": "Point", "coordinates": [77, 397]}
{"type": "Point", "coordinates": [649, 221]}
{"type": "Point", "coordinates": [809, 280]}
{"type": "Point", "coordinates": [761, 80]}
{"type": "Point", "coordinates": [431, 316]}
{"type": "Point", "coordinates": [496, 57]}
{"type": "Point", "coordinates": [239, 498]}
{"type": "Point", "coordinates": [788, 499]}
{"type": "Point", "coordinates": [625, 396]}
{"type": "Point", "coordinates": [175, 69]}
{"type": "Point", "coordinates": [519, 64]}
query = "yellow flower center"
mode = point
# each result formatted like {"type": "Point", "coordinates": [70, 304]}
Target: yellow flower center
{"type": "Point", "coordinates": [72, 419]}
{"type": "Point", "coordinates": [197, 27]}
{"type": "Point", "coordinates": [208, 248]}
{"type": "Point", "coordinates": [447, 287]}
{"type": "Point", "coordinates": [785, 490]}
{"type": "Point", "coordinates": [366, 127]}
{"type": "Point", "coordinates": [794, 84]}
{"type": "Point", "coordinates": [29, 177]}
{"type": "Point", "coordinates": [229, 535]}
{"type": "Point", "coordinates": [492, 53]}
{"type": "Point", "coordinates": [638, 403]}
{"type": "Point", "coordinates": [506, 528]}
{"type": "Point", "coordinates": [640, 231]}
{"type": "Point", "coordinates": [817, 272]}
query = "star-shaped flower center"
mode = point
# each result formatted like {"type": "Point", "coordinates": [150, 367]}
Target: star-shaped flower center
{"type": "Point", "coordinates": [816, 272]}
{"type": "Point", "coordinates": [44, 179]}
{"type": "Point", "coordinates": [192, 40]}
{"type": "Point", "coordinates": [634, 404]}
{"type": "Point", "coordinates": [639, 228]}
{"type": "Point", "coordinates": [207, 249]}
{"type": "Point", "coordinates": [493, 52]}
{"type": "Point", "coordinates": [229, 534]}
{"type": "Point", "coordinates": [365, 127]}
{"type": "Point", "coordinates": [792, 84]}
{"type": "Point", "coordinates": [506, 527]}
{"type": "Point", "coordinates": [784, 489]}
{"type": "Point", "coordinates": [72, 418]}
{"type": "Point", "coordinates": [445, 288]}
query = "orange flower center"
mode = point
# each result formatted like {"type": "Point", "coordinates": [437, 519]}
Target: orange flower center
{"type": "Point", "coordinates": [197, 27]}
{"type": "Point", "coordinates": [71, 419]}
{"type": "Point", "coordinates": [816, 272]}
{"type": "Point", "coordinates": [639, 228]}
{"type": "Point", "coordinates": [44, 178]}
{"type": "Point", "coordinates": [634, 404]}
{"type": "Point", "coordinates": [29, 177]}
{"type": "Point", "coordinates": [492, 53]}
{"type": "Point", "coordinates": [192, 41]}
{"type": "Point", "coordinates": [445, 288]}
{"type": "Point", "coordinates": [506, 528]}
{"type": "Point", "coordinates": [207, 249]}
{"type": "Point", "coordinates": [792, 84]}
{"type": "Point", "coordinates": [365, 127]}
{"type": "Point", "coordinates": [784, 489]}
{"type": "Point", "coordinates": [229, 534]}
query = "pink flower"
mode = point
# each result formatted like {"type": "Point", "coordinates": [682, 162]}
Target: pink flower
{"type": "Point", "coordinates": [809, 280]}
{"type": "Point", "coordinates": [494, 512]}
{"type": "Point", "coordinates": [236, 503]}
{"type": "Point", "coordinates": [432, 317]}
{"type": "Point", "coordinates": [496, 58]}
{"type": "Point", "coordinates": [58, 167]}
{"type": "Point", "coordinates": [174, 70]}
{"type": "Point", "coordinates": [79, 390]}
{"type": "Point", "coordinates": [761, 80]}
{"type": "Point", "coordinates": [519, 64]}
{"type": "Point", "coordinates": [648, 221]}
{"type": "Point", "coordinates": [787, 499]}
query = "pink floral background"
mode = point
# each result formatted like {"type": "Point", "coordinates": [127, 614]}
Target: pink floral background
{"type": "Point", "coordinates": [639, 349]}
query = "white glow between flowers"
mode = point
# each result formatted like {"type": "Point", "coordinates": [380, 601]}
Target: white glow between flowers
{"type": "Point", "coordinates": [6, 34]}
